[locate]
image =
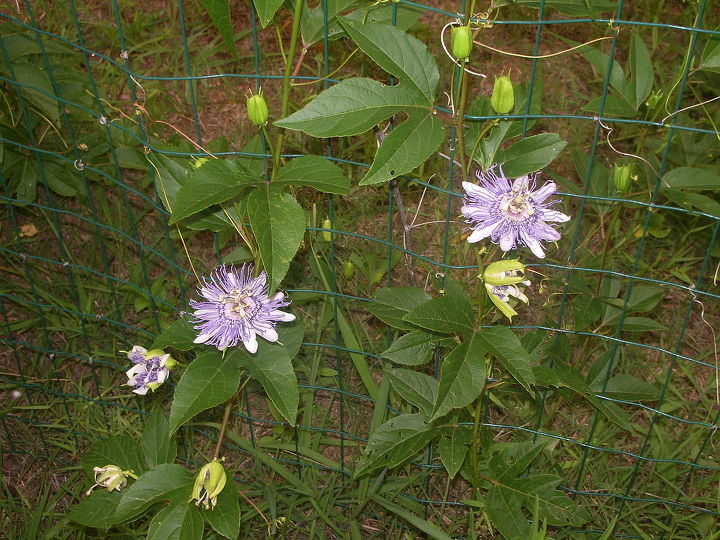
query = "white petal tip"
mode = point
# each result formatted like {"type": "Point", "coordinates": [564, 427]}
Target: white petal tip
{"type": "Point", "coordinates": [251, 345]}
{"type": "Point", "coordinates": [475, 236]}
{"type": "Point", "coordinates": [202, 338]}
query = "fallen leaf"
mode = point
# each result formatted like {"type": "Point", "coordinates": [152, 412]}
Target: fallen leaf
{"type": "Point", "coordinates": [26, 231]}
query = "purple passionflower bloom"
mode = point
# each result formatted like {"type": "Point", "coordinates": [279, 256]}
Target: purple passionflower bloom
{"type": "Point", "coordinates": [150, 371]}
{"type": "Point", "coordinates": [511, 212]}
{"type": "Point", "coordinates": [237, 308]}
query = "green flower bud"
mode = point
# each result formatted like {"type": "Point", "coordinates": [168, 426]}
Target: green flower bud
{"type": "Point", "coordinates": [654, 99]}
{"type": "Point", "coordinates": [111, 477]}
{"type": "Point", "coordinates": [621, 178]}
{"type": "Point", "coordinates": [209, 482]}
{"type": "Point", "coordinates": [461, 42]}
{"type": "Point", "coordinates": [326, 235]}
{"type": "Point", "coordinates": [505, 272]}
{"type": "Point", "coordinates": [348, 269]}
{"type": "Point", "coordinates": [503, 99]}
{"type": "Point", "coordinates": [257, 109]}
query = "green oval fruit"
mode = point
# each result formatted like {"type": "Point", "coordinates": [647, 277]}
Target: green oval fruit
{"type": "Point", "coordinates": [503, 99]}
{"type": "Point", "coordinates": [461, 41]}
{"type": "Point", "coordinates": [621, 178]}
{"type": "Point", "coordinates": [326, 235]}
{"type": "Point", "coordinates": [257, 109]}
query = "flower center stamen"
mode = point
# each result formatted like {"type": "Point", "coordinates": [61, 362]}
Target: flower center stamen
{"type": "Point", "coordinates": [239, 305]}
{"type": "Point", "coordinates": [517, 205]}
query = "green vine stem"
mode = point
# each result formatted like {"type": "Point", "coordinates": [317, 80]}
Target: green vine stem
{"type": "Point", "coordinates": [285, 100]}
{"type": "Point", "coordinates": [460, 120]}
{"type": "Point", "coordinates": [487, 127]}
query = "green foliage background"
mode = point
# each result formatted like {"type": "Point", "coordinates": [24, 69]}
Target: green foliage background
{"type": "Point", "coordinates": [93, 265]}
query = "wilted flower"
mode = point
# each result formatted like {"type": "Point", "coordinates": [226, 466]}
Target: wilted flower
{"type": "Point", "coordinates": [110, 477]}
{"type": "Point", "coordinates": [511, 212]}
{"type": "Point", "coordinates": [500, 296]}
{"type": "Point", "coordinates": [151, 369]}
{"type": "Point", "coordinates": [505, 272]}
{"type": "Point", "coordinates": [501, 283]}
{"type": "Point", "coordinates": [238, 309]}
{"type": "Point", "coordinates": [209, 482]}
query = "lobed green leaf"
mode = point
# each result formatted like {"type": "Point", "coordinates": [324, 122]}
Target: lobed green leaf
{"type": "Point", "coordinates": [447, 314]}
{"type": "Point", "coordinates": [278, 222]}
{"type": "Point", "coordinates": [315, 172]}
{"type": "Point", "coordinates": [530, 154]}
{"type": "Point", "coordinates": [272, 367]}
{"type": "Point", "coordinates": [394, 442]}
{"type": "Point", "coordinates": [350, 107]}
{"type": "Point", "coordinates": [214, 182]}
{"type": "Point", "coordinates": [399, 54]}
{"type": "Point", "coordinates": [416, 388]}
{"type": "Point", "coordinates": [406, 147]}
{"type": "Point", "coordinates": [462, 377]}
{"type": "Point", "coordinates": [156, 444]}
{"type": "Point", "coordinates": [211, 379]}
{"type": "Point", "coordinates": [391, 304]}
{"type": "Point", "coordinates": [502, 343]}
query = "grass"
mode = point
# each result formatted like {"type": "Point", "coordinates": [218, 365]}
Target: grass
{"type": "Point", "coordinates": [121, 283]}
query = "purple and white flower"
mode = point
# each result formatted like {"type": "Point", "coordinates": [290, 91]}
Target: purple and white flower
{"type": "Point", "coordinates": [237, 308]}
{"type": "Point", "coordinates": [151, 369]}
{"type": "Point", "coordinates": [511, 212]}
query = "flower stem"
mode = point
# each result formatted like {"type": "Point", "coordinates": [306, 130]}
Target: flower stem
{"type": "Point", "coordinates": [226, 418]}
{"type": "Point", "coordinates": [476, 443]}
{"type": "Point", "coordinates": [223, 427]}
{"type": "Point", "coordinates": [487, 127]}
{"type": "Point", "coordinates": [263, 130]}
{"type": "Point", "coordinates": [285, 100]}
{"type": "Point", "coordinates": [460, 120]}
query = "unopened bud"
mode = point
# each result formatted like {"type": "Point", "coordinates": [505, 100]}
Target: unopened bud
{"type": "Point", "coordinates": [209, 482]}
{"type": "Point", "coordinates": [461, 41]}
{"type": "Point", "coordinates": [326, 235]}
{"type": "Point", "coordinates": [257, 109]}
{"type": "Point", "coordinates": [621, 178]}
{"type": "Point", "coordinates": [503, 98]}
{"type": "Point", "coordinates": [348, 269]}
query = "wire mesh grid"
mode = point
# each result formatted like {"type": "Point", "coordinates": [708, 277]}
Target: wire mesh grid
{"type": "Point", "coordinates": [105, 263]}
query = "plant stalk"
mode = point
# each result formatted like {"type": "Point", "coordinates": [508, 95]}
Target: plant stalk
{"type": "Point", "coordinates": [460, 120]}
{"type": "Point", "coordinates": [285, 100]}
{"type": "Point", "coordinates": [487, 127]}
{"type": "Point", "coordinates": [226, 419]}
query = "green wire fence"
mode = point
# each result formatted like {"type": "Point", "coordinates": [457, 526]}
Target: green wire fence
{"type": "Point", "coordinates": [88, 253]}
